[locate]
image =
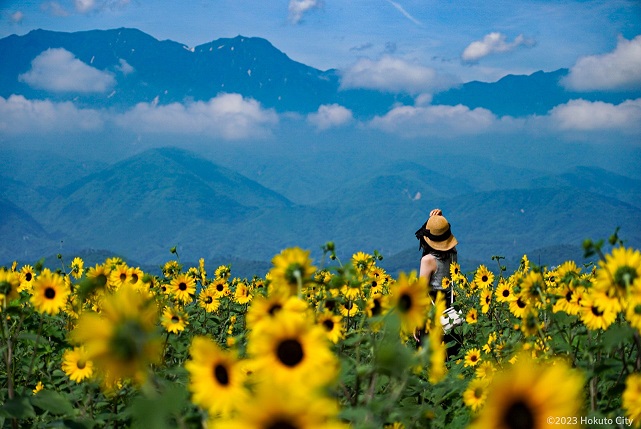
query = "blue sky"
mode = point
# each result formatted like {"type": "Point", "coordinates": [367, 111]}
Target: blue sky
{"type": "Point", "coordinates": [463, 40]}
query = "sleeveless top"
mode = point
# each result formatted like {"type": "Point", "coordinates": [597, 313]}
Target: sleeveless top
{"type": "Point", "coordinates": [442, 270]}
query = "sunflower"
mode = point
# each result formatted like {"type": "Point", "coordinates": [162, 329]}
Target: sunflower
{"type": "Point", "coordinates": [633, 312]}
{"type": "Point", "coordinates": [27, 276]}
{"type": "Point", "coordinates": [223, 272]}
{"type": "Point", "coordinates": [438, 350]}
{"type": "Point", "coordinates": [216, 379]}
{"type": "Point", "coordinates": [485, 370]}
{"type": "Point", "coordinates": [351, 292]}
{"type": "Point", "coordinates": [49, 293]}
{"type": "Point", "coordinates": [491, 338]}
{"type": "Point", "coordinates": [519, 305]}
{"type": "Point", "coordinates": [593, 315]}
{"type": "Point", "coordinates": [472, 316]}
{"type": "Point", "coordinates": [171, 268]}
{"type": "Point", "coordinates": [136, 276]}
{"type": "Point", "coordinates": [483, 277]}
{"type": "Point", "coordinates": [99, 276]}
{"type": "Point", "coordinates": [220, 287]}
{"type": "Point", "coordinates": [208, 300]}
{"type": "Point", "coordinates": [533, 287]}
{"type": "Point", "coordinates": [377, 305]}
{"type": "Point", "coordinates": [10, 284]}
{"type": "Point", "coordinates": [378, 278]}
{"type": "Point", "coordinates": [76, 364]}
{"type": "Point", "coordinates": [619, 273]}
{"type": "Point", "coordinates": [411, 301]}
{"type": "Point", "coordinates": [39, 388]}
{"type": "Point", "coordinates": [472, 357]}
{"type": "Point", "coordinates": [476, 393]}
{"type": "Point", "coordinates": [333, 326]}
{"type": "Point", "coordinates": [455, 272]}
{"type": "Point", "coordinates": [242, 295]}
{"type": "Point", "coordinates": [349, 309]}
{"type": "Point", "coordinates": [122, 341]}
{"type": "Point", "coordinates": [183, 288]}
{"type": "Point", "coordinates": [528, 393]}
{"type": "Point", "coordinates": [530, 324]}
{"type": "Point", "coordinates": [275, 406]}
{"type": "Point", "coordinates": [77, 267]}
{"type": "Point", "coordinates": [264, 309]}
{"type": "Point", "coordinates": [565, 299]}
{"type": "Point", "coordinates": [632, 397]}
{"type": "Point", "coordinates": [363, 262]}
{"type": "Point", "coordinates": [174, 320]}
{"type": "Point", "coordinates": [503, 291]}
{"type": "Point", "coordinates": [524, 266]}
{"type": "Point", "coordinates": [291, 349]}
{"type": "Point", "coordinates": [291, 269]}
{"type": "Point", "coordinates": [119, 276]}
{"type": "Point", "coordinates": [486, 300]}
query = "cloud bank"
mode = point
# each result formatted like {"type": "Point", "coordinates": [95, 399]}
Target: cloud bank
{"type": "Point", "coordinates": [19, 115]}
{"type": "Point", "coordinates": [493, 43]}
{"type": "Point", "coordinates": [58, 70]}
{"type": "Point", "coordinates": [329, 116]}
{"type": "Point", "coordinates": [616, 70]}
{"type": "Point", "coordinates": [582, 115]}
{"type": "Point", "coordinates": [441, 120]}
{"type": "Point", "coordinates": [229, 116]}
{"type": "Point", "coordinates": [393, 75]}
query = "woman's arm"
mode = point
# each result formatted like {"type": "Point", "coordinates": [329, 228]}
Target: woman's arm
{"type": "Point", "coordinates": [428, 267]}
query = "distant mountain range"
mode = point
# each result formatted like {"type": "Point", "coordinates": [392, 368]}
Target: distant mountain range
{"type": "Point", "coordinates": [146, 70]}
{"type": "Point", "coordinates": [245, 203]}
{"type": "Point", "coordinates": [145, 204]}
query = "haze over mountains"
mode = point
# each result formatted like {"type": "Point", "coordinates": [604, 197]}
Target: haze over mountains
{"type": "Point", "coordinates": [272, 153]}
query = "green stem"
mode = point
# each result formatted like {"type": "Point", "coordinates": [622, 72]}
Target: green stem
{"type": "Point", "coordinates": [35, 352]}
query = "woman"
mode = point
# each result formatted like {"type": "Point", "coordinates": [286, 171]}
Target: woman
{"type": "Point", "coordinates": [439, 252]}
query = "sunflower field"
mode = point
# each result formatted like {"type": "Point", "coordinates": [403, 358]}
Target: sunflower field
{"type": "Point", "coordinates": [339, 345]}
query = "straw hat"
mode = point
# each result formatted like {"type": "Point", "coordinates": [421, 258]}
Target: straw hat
{"type": "Point", "coordinates": [438, 234]}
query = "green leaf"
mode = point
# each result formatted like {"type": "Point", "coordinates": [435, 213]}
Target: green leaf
{"type": "Point", "coordinates": [53, 402]}
{"type": "Point", "coordinates": [617, 335]}
{"type": "Point", "coordinates": [18, 408]}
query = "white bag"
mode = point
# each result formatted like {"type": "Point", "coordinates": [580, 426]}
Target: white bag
{"type": "Point", "coordinates": [451, 318]}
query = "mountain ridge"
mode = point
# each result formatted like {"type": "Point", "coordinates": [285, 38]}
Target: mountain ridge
{"type": "Point", "coordinates": [148, 70]}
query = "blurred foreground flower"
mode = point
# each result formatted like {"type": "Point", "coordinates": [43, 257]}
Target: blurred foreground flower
{"type": "Point", "coordinates": [122, 339]}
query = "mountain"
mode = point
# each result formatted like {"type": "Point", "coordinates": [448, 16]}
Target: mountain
{"type": "Point", "coordinates": [521, 95]}
{"type": "Point", "coordinates": [144, 69]}
{"type": "Point", "coordinates": [598, 180]}
{"type": "Point", "coordinates": [142, 206]}
{"type": "Point", "coordinates": [22, 236]}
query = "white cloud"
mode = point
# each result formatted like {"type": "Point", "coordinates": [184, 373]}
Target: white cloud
{"type": "Point", "coordinates": [228, 115]}
{"type": "Point", "coordinates": [493, 43]}
{"type": "Point", "coordinates": [54, 8]}
{"type": "Point", "coordinates": [619, 69]}
{"type": "Point", "coordinates": [19, 115]}
{"type": "Point", "coordinates": [84, 6]}
{"type": "Point", "coordinates": [59, 71]}
{"type": "Point", "coordinates": [441, 120]}
{"type": "Point", "coordinates": [405, 13]}
{"type": "Point", "coordinates": [87, 6]}
{"type": "Point", "coordinates": [392, 74]}
{"type": "Point", "coordinates": [297, 8]}
{"type": "Point", "coordinates": [17, 17]}
{"type": "Point", "coordinates": [330, 115]}
{"type": "Point", "coordinates": [124, 67]}
{"type": "Point", "coordinates": [582, 115]}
